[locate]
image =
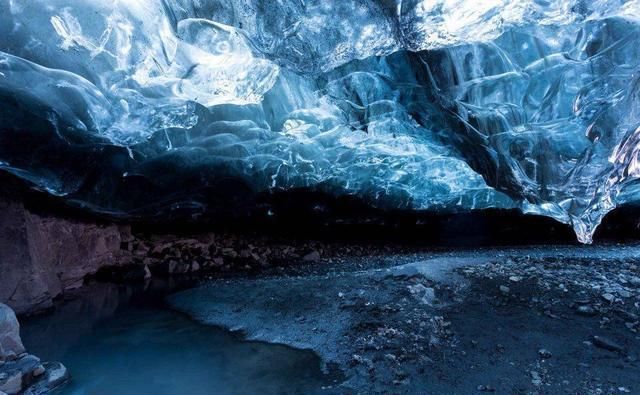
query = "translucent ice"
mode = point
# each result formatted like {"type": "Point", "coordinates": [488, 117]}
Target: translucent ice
{"type": "Point", "coordinates": [419, 104]}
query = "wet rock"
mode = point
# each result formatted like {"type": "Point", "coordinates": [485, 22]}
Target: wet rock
{"type": "Point", "coordinates": [504, 289]}
{"type": "Point", "coordinates": [57, 374]}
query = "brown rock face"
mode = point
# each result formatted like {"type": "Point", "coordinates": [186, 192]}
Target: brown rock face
{"type": "Point", "coordinates": [40, 257]}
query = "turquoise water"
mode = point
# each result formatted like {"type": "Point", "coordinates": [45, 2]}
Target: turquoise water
{"type": "Point", "coordinates": [121, 345]}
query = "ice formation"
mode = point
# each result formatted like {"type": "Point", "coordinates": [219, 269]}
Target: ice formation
{"type": "Point", "coordinates": [418, 104]}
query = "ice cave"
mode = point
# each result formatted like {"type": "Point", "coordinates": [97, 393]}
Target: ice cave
{"type": "Point", "coordinates": [426, 105]}
{"type": "Point", "coordinates": [127, 114]}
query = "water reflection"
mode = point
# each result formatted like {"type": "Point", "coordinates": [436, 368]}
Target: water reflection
{"type": "Point", "coordinates": [121, 340]}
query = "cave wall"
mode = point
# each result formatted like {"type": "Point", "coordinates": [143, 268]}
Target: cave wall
{"type": "Point", "coordinates": [41, 257]}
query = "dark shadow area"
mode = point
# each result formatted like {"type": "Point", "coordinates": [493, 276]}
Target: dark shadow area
{"type": "Point", "coordinates": [307, 214]}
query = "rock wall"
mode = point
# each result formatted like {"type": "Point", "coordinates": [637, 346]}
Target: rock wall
{"type": "Point", "coordinates": [41, 257]}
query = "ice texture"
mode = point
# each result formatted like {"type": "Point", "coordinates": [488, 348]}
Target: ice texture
{"type": "Point", "coordinates": [444, 105]}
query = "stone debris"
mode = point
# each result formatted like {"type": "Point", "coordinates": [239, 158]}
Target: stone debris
{"type": "Point", "coordinates": [20, 372]}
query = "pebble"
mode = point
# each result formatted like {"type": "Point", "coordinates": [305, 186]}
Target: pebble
{"type": "Point", "coordinates": [544, 353]}
{"type": "Point", "coordinates": [586, 311]}
{"type": "Point", "coordinates": [624, 294]}
{"type": "Point", "coordinates": [606, 344]}
{"type": "Point", "coordinates": [515, 279]}
{"type": "Point", "coordinates": [608, 297]}
{"type": "Point", "coordinates": [504, 289]}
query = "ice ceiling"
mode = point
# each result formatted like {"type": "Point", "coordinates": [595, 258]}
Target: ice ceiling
{"type": "Point", "coordinates": [418, 104]}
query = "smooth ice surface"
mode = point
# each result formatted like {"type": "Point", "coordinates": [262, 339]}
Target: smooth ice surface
{"type": "Point", "coordinates": [419, 104]}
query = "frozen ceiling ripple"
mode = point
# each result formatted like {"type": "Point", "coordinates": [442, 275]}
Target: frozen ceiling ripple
{"type": "Point", "coordinates": [449, 105]}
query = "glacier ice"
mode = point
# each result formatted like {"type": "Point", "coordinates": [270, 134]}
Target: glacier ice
{"type": "Point", "coordinates": [417, 104]}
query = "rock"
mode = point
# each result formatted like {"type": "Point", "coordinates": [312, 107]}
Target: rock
{"type": "Point", "coordinates": [147, 272]}
{"type": "Point", "coordinates": [608, 297]}
{"type": "Point", "coordinates": [544, 353]}
{"type": "Point", "coordinates": [624, 293]}
{"type": "Point", "coordinates": [313, 256]}
{"type": "Point", "coordinates": [12, 383]}
{"type": "Point", "coordinates": [39, 255]}
{"type": "Point", "coordinates": [586, 310]}
{"type": "Point", "coordinates": [426, 295]}
{"type": "Point", "coordinates": [606, 344]}
{"type": "Point", "coordinates": [57, 374]}
{"type": "Point", "coordinates": [626, 315]}
{"type": "Point", "coordinates": [10, 342]}
{"type": "Point", "coordinates": [504, 289]}
{"type": "Point", "coordinates": [38, 371]}
{"type": "Point", "coordinates": [515, 279]}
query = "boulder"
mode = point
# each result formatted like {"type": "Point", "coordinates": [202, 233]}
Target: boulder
{"type": "Point", "coordinates": [11, 383]}
{"type": "Point", "coordinates": [10, 342]}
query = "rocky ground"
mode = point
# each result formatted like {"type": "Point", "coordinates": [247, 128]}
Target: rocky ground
{"type": "Point", "coordinates": [20, 372]}
{"type": "Point", "coordinates": [515, 321]}
{"type": "Point", "coordinates": [535, 320]}
{"type": "Point", "coordinates": [44, 257]}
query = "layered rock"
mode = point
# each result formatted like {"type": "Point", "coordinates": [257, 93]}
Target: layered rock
{"type": "Point", "coordinates": [21, 372]}
{"type": "Point", "coordinates": [41, 257]}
